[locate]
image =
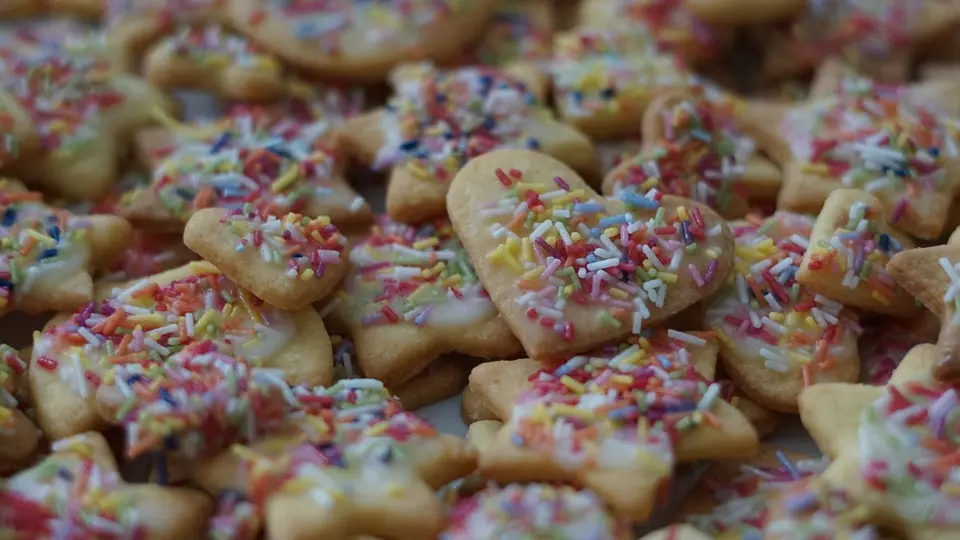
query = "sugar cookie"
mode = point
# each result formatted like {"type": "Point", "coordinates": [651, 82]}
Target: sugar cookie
{"type": "Point", "coordinates": [439, 119]}
{"type": "Point", "coordinates": [778, 337]}
{"type": "Point", "coordinates": [443, 378]}
{"type": "Point", "coordinates": [899, 468]}
{"type": "Point", "coordinates": [763, 420]}
{"type": "Point", "coordinates": [603, 80]}
{"type": "Point", "coordinates": [268, 158]}
{"type": "Point", "coordinates": [19, 437]}
{"type": "Point", "coordinates": [360, 40]}
{"type": "Point", "coordinates": [580, 422]}
{"type": "Point", "coordinates": [473, 409]}
{"type": "Point", "coordinates": [813, 508]}
{"type": "Point", "coordinates": [518, 31]}
{"type": "Point", "coordinates": [887, 341]}
{"type": "Point", "coordinates": [569, 270]}
{"type": "Point", "coordinates": [846, 260]}
{"type": "Point", "coordinates": [150, 321]}
{"type": "Point", "coordinates": [289, 261]}
{"type": "Point", "coordinates": [43, 501]}
{"type": "Point", "coordinates": [930, 274]}
{"type": "Point", "coordinates": [694, 147]}
{"type": "Point", "coordinates": [412, 295]}
{"type": "Point", "coordinates": [47, 254]}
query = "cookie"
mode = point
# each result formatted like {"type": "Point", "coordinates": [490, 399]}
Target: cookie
{"type": "Point", "coordinates": [437, 120]}
{"type": "Point", "coordinates": [930, 274]}
{"type": "Point", "coordinates": [580, 422]}
{"type": "Point", "coordinates": [491, 512]}
{"type": "Point", "coordinates": [443, 378]}
{"type": "Point", "coordinates": [358, 454]}
{"type": "Point", "coordinates": [271, 159]}
{"type": "Point", "coordinates": [724, 13]}
{"type": "Point", "coordinates": [778, 337]}
{"type": "Point", "coordinates": [569, 270]}
{"type": "Point", "coordinates": [820, 152]}
{"type": "Point", "coordinates": [668, 23]}
{"type": "Point", "coordinates": [147, 254]}
{"type": "Point", "coordinates": [732, 499]}
{"type": "Point", "coordinates": [694, 147]}
{"type": "Point", "coordinates": [39, 502]}
{"type": "Point", "coordinates": [151, 320]}
{"type": "Point", "coordinates": [481, 434]}
{"type": "Point", "coordinates": [849, 247]}
{"type": "Point", "coordinates": [603, 80]}
{"type": "Point", "coordinates": [411, 295]}
{"type": "Point", "coordinates": [813, 508]}
{"type": "Point", "coordinates": [675, 532]}
{"type": "Point", "coordinates": [47, 254]}
{"type": "Point", "coordinates": [886, 342]}
{"type": "Point", "coordinates": [19, 437]}
{"type": "Point", "coordinates": [473, 409]}
{"type": "Point", "coordinates": [518, 31]}
{"type": "Point", "coordinates": [288, 261]}
{"type": "Point", "coordinates": [211, 59]}
{"type": "Point", "coordinates": [901, 469]}
{"type": "Point", "coordinates": [763, 420]}
{"type": "Point", "coordinates": [360, 41]}
{"type": "Point", "coordinates": [71, 115]}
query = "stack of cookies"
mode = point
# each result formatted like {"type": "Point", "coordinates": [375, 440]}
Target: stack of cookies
{"type": "Point", "coordinates": [243, 241]}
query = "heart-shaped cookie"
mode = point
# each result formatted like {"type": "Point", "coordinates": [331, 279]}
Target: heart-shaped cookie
{"type": "Point", "coordinates": [569, 270]}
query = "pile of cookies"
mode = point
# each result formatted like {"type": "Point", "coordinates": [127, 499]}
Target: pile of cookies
{"type": "Point", "coordinates": [615, 230]}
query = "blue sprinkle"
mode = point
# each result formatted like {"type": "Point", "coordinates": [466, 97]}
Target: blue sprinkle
{"type": "Point", "coordinates": [533, 144]}
{"type": "Point", "coordinates": [54, 233]}
{"type": "Point", "coordinates": [934, 151]}
{"type": "Point", "coordinates": [222, 140]}
{"type": "Point", "coordinates": [587, 208]}
{"type": "Point", "coordinates": [185, 194]}
{"type": "Point", "coordinates": [613, 220]}
{"type": "Point", "coordinates": [48, 253]}
{"type": "Point", "coordinates": [165, 395]}
{"type": "Point", "coordinates": [637, 200]}
{"type": "Point", "coordinates": [160, 464]}
{"type": "Point", "coordinates": [516, 439]}
{"type": "Point", "coordinates": [6, 284]}
{"type": "Point", "coordinates": [407, 146]}
{"type": "Point", "coordinates": [9, 217]}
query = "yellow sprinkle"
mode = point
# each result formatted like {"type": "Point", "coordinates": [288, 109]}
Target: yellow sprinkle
{"type": "Point", "coordinates": [253, 312]}
{"type": "Point", "coordinates": [724, 338]}
{"type": "Point", "coordinates": [203, 321]}
{"type": "Point", "coordinates": [297, 485]}
{"type": "Point", "coordinates": [533, 273]}
{"type": "Point", "coordinates": [307, 274]}
{"type": "Point", "coordinates": [811, 322]}
{"type": "Point", "coordinates": [793, 319]}
{"type": "Point", "coordinates": [619, 293]}
{"type": "Point", "coordinates": [880, 298]}
{"type": "Point", "coordinates": [527, 249]}
{"type": "Point", "coordinates": [286, 180]}
{"type": "Point", "coordinates": [651, 183]}
{"type": "Point", "coordinates": [799, 357]}
{"type": "Point", "coordinates": [394, 489]}
{"type": "Point", "coordinates": [647, 264]}
{"type": "Point", "coordinates": [682, 213]}
{"type": "Point", "coordinates": [667, 277]}
{"type": "Point", "coordinates": [452, 280]}
{"type": "Point", "coordinates": [814, 169]}
{"type": "Point", "coordinates": [539, 188]}
{"type": "Point", "coordinates": [377, 429]}
{"type": "Point", "coordinates": [513, 245]}
{"type": "Point", "coordinates": [611, 232]}
{"type": "Point", "coordinates": [426, 242]}
{"type": "Point", "coordinates": [652, 462]}
{"type": "Point", "coordinates": [776, 316]}
{"type": "Point", "coordinates": [42, 238]}
{"type": "Point", "coordinates": [575, 236]}
{"type": "Point", "coordinates": [569, 410]}
{"type": "Point", "coordinates": [418, 170]}
{"type": "Point", "coordinates": [572, 384]}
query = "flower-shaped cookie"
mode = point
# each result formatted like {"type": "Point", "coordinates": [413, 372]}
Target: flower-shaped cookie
{"type": "Point", "coordinates": [694, 147]}
{"type": "Point", "coordinates": [615, 420]}
{"type": "Point", "coordinates": [47, 254]}
{"type": "Point", "coordinates": [273, 159]}
{"type": "Point", "coordinates": [360, 464]}
{"type": "Point", "coordinates": [411, 296]}
{"type": "Point", "coordinates": [603, 80]}
{"type": "Point", "coordinates": [569, 270]}
{"type": "Point", "coordinates": [896, 446]}
{"type": "Point", "coordinates": [439, 119]}
{"type": "Point", "coordinates": [360, 40]}
{"type": "Point", "coordinates": [777, 336]}
{"type": "Point", "coordinates": [150, 321]}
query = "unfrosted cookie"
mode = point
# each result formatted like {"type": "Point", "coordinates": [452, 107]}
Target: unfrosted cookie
{"type": "Point", "coordinates": [599, 419]}
{"type": "Point", "coordinates": [149, 321]}
{"type": "Point", "coordinates": [275, 159]}
{"type": "Point", "coordinates": [569, 270]}
{"type": "Point", "coordinates": [411, 296]}
{"type": "Point", "coordinates": [210, 58]}
{"type": "Point", "coordinates": [360, 464]}
{"type": "Point", "coordinates": [473, 409]}
{"type": "Point", "coordinates": [841, 141]}
{"type": "Point", "coordinates": [778, 337]}
{"type": "Point", "coordinates": [603, 80]}
{"type": "Point", "coordinates": [440, 119]}
{"type": "Point", "coordinates": [903, 471]}
{"type": "Point", "coordinates": [47, 254]}
{"type": "Point", "coordinates": [850, 244]}
{"type": "Point", "coordinates": [360, 40]}
{"type": "Point", "coordinates": [78, 489]}
{"type": "Point", "coordinates": [289, 261]}
{"type": "Point", "coordinates": [694, 147]}
{"type": "Point", "coordinates": [443, 378]}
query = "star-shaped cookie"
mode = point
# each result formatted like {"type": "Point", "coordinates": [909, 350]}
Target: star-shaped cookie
{"type": "Point", "coordinates": [437, 120]}
{"type": "Point", "coordinates": [694, 147]}
{"type": "Point", "coordinates": [778, 337]}
{"type": "Point", "coordinates": [931, 274]}
{"type": "Point", "coordinates": [569, 270]}
{"type": "Point", "coordinates": [78, 490]}
{"type": "Point", "coordinates": [133, 325]}
{"type": "Point", "coordinates": [871, 139]}
{"type": "Point", "coordinates": [275, 159]}
{"type": "Point", "coordinates": [47, 254]}
{"type": "Point", "coordinates": [357, 463]}
{"type": "Point", "coordinates": [615, 420]}
{"type": "Point", "coordinates": [896, 446]}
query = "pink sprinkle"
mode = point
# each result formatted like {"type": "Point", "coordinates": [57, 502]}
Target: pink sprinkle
{"type": "Point", "coordinates": [696, 275]}
{"type": "Point", "coordinates": [899, 210]}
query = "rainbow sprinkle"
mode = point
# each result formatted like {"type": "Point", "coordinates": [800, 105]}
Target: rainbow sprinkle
{"type": "Point", "coordinates": [668, 22]}
{"type": "Point", "coordinates": [617, 406]}
{"type": "Point", "coordinates": [305, 246]}
{"type": "Point", "coordinates": [812, 510]}
{"type": "Point", "coordinates": [440, 119]}
{"type": "Point", "coordinates": [235, 518]}
{"type": "Point", "coordinates": [763, 308]}
{"type": "Point", "coordinates": [566, 250]}
{"type": "Point", "coordinates": [514, 34]}
{"type": "Point", "coordinates": [883, 346]}
{"type": "Point", "coordinates": [149, 254]}
{"type": "Point", "coordinates": [419, 274]}
{"type": "Point", "coordinates": [531, 511]}
{"type": "Point", "coordinates": [68, 495]}
{"type": "Point", "coordinates": [910, 451]}
{"type": "Point", "coordinates": [210, 47]}
{"type": "Point", "coordinates": [11, 369]}
{"type": "Point", "coordinates": [38, 243]}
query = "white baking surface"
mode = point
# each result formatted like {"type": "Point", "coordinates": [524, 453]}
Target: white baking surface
{"type": "Point", "coordinates": [16, 330]}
